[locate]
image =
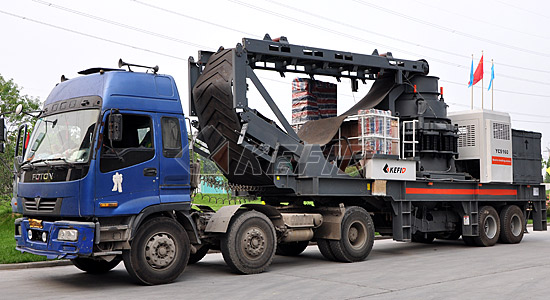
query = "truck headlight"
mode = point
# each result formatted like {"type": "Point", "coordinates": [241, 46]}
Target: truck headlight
{"type": "Point", "coordinates": [67, 235]}
{"type": "Point", "coordinates": [29, 234]}
{"type": "Point", "coordinates": [44, 236]}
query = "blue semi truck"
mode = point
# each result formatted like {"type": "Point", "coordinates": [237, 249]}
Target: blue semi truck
{"type": "Point", "coordinates": [107, 174]}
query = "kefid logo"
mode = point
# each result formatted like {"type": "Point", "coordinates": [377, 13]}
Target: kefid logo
{"type": "Point", "coordinates": [394, 170]}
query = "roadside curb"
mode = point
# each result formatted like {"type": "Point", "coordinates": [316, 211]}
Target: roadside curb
{"type": "Point", "coordinates": [38, 264]}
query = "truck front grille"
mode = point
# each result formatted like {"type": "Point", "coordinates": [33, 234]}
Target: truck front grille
{"type": "Point", "coordinates": [40, 204]}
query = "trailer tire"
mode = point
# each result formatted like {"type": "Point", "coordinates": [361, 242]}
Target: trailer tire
{"type": "Point", "coordinates": [357, 236]}
{"type": "Point", "coordinates": [250, 243]}
{"type": "Point", "coordinates": [292, 248]}
{"type": "Point", "coordinates": [197, 256]}
{"type": "Point", "coordinates": [512, 222]}
{"type": "Point", "coordinates": [489, 224]}
{"type": "Point", "coordinates": [93, 266]}
{"type": "Point", "coordinates": [159, 252]}
{"type": "Point", "coordinates": [324, 248]}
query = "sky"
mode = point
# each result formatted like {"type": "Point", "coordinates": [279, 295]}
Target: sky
{"type": "Point", "coordinates": [42, 40]}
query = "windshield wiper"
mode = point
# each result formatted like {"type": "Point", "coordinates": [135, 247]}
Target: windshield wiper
{"type": "Point", "coordinates": [46, 160]}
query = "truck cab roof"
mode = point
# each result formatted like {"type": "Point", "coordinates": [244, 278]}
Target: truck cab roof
{"type": "Point", "coordinates": [116, 90]}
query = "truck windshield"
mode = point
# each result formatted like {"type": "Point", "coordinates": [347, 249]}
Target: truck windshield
{"type": "Point", "coordinates": [65, 136]}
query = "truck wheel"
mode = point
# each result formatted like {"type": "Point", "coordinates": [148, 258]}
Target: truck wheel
{"type": "Point", "coordinates": [197, 256]}
{"type": "Point", "coordinates": [292, 248]}
{"type": "Point", "coordinates": [159, 252]}
{"type": "Point", "coordinates": [324, 248]}
{"type": "Point", "coordinates": [357, 236]}
{"type": "Point", "coordinates": [512, 222]}
{"type": "Point", "coordinates": [489, 227]}
{"type": "Point", "coordinates": [93, 266]}
{"type": "Point", "coordinates": [249, 245]}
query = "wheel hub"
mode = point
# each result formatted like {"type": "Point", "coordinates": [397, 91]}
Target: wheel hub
{"type": "Point", "coordinates": [352, 235]}
{"type": "Point", "coordinates": [357, 235]}
{"type": "Point", "coordinates": [254, 242]}
{"type": "Point", "coordinates": [160, 251]}
{"type": "Point", "coordinates": [490, 227]}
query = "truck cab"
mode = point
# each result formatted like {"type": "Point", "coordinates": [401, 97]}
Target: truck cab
{"type": "Point", "coordinates": [82, 190]}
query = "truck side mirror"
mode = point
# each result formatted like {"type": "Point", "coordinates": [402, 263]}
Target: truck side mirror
{"type": "Point", "coordinates": [22, 140]}
{"type": "Point", "coordinates": [2, 134]}
{"type": "Point", "coordinates": [115, 127]}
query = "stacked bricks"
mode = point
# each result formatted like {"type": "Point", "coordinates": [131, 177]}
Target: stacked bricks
{"type": "Point", "coordinates": [373, 128]}
{"type": "Point", "coordinates": [312, 100]}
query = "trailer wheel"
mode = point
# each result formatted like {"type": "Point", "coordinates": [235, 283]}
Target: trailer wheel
{"type": "Point", "coordinates": [512, 222]}
{"type": "Point", "coordinates": [250, 243]}
{"type": "Point", "coordinates": [324, 248]}
{"type": "Point", "coordinates": [489, 230]}
{"type": "Point", "coordinates": [357, 236]}
{"type": "Point", "coordinates": [93, 266]}
{"type": "Point", "coordinates": [292, 248]}
{"type": "Point", "coordinates": [159, 252]}
{"type": "Point", "coordinates": [197, 256]}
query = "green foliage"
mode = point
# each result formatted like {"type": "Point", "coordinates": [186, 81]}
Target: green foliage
{"type": "Point", "coordinates": [8, 254]}
{"type": "Point", "coordinates": [10, 97]}
{"type": "Point", "coordinates": [216, 201]}
{"type": "Point", "coordinates": [545, 165]}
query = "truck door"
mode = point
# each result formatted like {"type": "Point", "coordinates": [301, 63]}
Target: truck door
{"type": "Point", "coordinates": [174, 160]}
{"type": "Point", "coordinates": [128, 169]}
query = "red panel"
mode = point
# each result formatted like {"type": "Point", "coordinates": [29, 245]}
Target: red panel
{"type": "Point", "coordinates": [499, 160]}
{"type": "Point", "coordinates": [489, 192]}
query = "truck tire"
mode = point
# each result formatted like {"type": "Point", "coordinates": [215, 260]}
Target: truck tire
{"type": "Point", "coordinates": [249, 245]}
{"type": "Point", "coordinates": [357, 236]}
{"type": "Point", "coordinates": [292, 248]}
{"type": "Point", "coordinates": [159, 252]}
{"type": "Point", "coordinates": [489, 227]}
{"type": "Point", "coordinates": [324, 248]}
{"type": "Point", "coordinates": [512, 222]}
{"type": "Point", "coordinates": [93, 266]}
{"type": "Point", "coordinates": [197, 256]}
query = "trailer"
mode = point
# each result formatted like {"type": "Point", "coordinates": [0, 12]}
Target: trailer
{"type": "Point", "coordinates": [120, 186]}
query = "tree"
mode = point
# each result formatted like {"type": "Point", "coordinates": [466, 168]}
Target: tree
{"type": "Point", "coordinates": [10, 97]}
{"type": "Point", "coordinates": [545, 166]}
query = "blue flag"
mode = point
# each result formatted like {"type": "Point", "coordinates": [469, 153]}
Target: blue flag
{"type": "Point", "coordinates": [471, 73]}
{"type": "Point", "coordinates": [492, 76]}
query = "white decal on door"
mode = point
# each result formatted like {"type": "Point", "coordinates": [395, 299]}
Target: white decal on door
{"type": "Point", "coordinates": [117, 181]}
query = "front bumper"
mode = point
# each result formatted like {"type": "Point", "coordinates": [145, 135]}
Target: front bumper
{"type": "Point", "coordinates": [54, 248]}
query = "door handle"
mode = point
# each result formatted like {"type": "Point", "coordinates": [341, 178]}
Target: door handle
{"type": "Point", "coordinates": [150, 172]}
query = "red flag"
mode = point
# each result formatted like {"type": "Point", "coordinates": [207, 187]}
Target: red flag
{"type": "Point", "coordinates": [478, 74]}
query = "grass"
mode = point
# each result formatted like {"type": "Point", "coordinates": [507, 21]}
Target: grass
{"type": "Point", "coordinates": [216, 201]}
{"type": "Point", "coordinates": [8, 254]}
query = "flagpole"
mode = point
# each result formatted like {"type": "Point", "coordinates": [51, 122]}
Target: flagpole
{"type": "Point", "coordinates": [482, 90]}
{"type": "Point", "coordinates": [472, 100]}
{"type": "Point", "coordinates": [492, 83]}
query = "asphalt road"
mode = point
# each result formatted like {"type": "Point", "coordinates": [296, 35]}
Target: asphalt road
{"type": "Point", "coordinates": [442, 270]}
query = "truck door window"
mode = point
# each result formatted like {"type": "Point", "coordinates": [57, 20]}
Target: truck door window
{"type": "Point", "coordinates": [136, 146]}
{"type": "Point", "coordinates": [171, 137]}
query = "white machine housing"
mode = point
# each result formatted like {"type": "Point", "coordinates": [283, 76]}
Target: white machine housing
{"type": "Point", "coordinates": [486, 136]}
